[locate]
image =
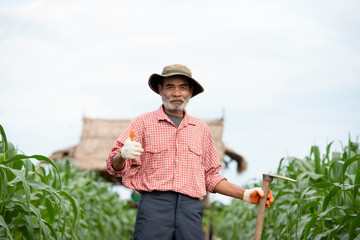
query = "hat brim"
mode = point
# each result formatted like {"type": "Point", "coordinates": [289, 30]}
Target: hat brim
{"type": "Point", "coordinates": [155, 79]}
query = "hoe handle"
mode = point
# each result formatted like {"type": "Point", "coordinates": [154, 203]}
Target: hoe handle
{"type": "Point", "coordinates": [132, 135]}
{"type": "Point", "coordinates": [262, 205]}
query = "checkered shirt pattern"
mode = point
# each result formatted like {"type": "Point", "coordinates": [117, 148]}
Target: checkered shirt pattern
{"type": "Point", "coordinates": [180, 159]}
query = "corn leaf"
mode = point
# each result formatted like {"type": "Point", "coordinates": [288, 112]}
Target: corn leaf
{"type": "Point", "coordinates": [29, 221]}
{"type": "Point", "coordinates": [348, 162]}
{"type": "Point", "coordinates": [3, 223]}
{"type": "Point", "coordinates": [324, 184]}
{"type": "Point", "coordinates": [329, 196]}
{"type": "Point", "coordinates": [308, 226]}
{"type": "Point", "coordinates": [75, 206]}
{"type": "Point", "coordinates": [317, 160]}
{"type": "Point", "coordinates": [355, 223]}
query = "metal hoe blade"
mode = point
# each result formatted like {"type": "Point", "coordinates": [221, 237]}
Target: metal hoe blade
{"type": "Point", "coordinates": [282, 177]}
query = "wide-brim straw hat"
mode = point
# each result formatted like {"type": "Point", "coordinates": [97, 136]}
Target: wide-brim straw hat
{"type": "Point", "coordinates": [174, 70]}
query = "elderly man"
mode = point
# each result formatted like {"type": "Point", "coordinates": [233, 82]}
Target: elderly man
{"type": "Point", "coordinates": [172, 162]}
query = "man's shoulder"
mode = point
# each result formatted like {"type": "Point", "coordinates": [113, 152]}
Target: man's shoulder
{"type": "Point", "coordinates": [198, 122]}
{"type": "Point", "coordinates": [147, 116]}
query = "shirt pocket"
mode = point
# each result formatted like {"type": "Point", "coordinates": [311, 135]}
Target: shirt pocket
{"type": "Point", "coordinates": [195, 149]}
{"type": "Point", "coordinates": [196, 153]}
{"type": "Point", "coordinates": [155, 156]}
{"type": "Point", "coordinates": [198, 167]}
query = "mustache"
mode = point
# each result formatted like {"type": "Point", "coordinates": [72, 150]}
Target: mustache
{"type": "Point", "coordinates": [176, 99]}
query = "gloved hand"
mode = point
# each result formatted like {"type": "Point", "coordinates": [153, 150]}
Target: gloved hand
{"type": "Point", "coordinates": [253, 196]}
{"type": "Point", "coordinates": [131, 149]}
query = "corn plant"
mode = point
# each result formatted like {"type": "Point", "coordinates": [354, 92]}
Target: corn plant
{"type": "Point", "coordinates": [56, 201]}
{"type": "Point", "coordinates": [33, 204]}
{"type": "Point", "coordinates": [323, 204]}
{"type": "Point", "coordinates": [104, 215]}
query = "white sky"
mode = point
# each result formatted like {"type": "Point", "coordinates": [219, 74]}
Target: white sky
{"type": "Point", "coordinates": [286, 73]}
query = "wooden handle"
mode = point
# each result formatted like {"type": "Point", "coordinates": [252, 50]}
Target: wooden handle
{"type": "Point", "coordinates": [262, 205]}
{"type": "Point", "coordinates": [132, 135]}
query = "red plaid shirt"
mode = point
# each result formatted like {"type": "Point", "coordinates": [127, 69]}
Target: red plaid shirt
{"type": "Point", "coordinates": [179, 159]}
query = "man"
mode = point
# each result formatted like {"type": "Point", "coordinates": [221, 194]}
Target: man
{"type": "Point", "coordinates": [172, 162]}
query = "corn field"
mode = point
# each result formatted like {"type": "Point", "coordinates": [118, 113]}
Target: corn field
{"type": "Point", "coordinates": [323, 204]}
{"type": "Point", "coordinates": [57, 201]}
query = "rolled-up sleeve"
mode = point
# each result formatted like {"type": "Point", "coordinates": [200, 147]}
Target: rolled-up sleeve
{"type": "Point", "coordinates": [129, 163]}
{"type": "Point", "coordinates": [109, 163]}
{"type": "Point", "coordinates": [212, 165]}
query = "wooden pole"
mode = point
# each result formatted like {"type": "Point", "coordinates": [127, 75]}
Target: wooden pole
{"type": "Point", "coordinates": [262, 205]}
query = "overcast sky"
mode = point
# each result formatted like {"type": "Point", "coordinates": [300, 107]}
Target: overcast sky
{"type": "Point", "coordinates": [285, 74]}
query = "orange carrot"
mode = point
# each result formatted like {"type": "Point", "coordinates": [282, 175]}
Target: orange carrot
{"type": "Point", "coordinates": [132, 135]}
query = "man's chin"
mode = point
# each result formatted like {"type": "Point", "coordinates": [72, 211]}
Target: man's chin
{"type": "Point", "coordinates": [174, 108]}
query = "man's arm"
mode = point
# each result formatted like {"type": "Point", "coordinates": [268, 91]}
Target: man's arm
{"type": "Point", "coordinates": [226, 188]}
{"type": "Point", "coordinates": [130, 150]}
{"type": "Point", "coordinates": [251, 196]}
{"type": "Point", "coordinates": [118, 162]}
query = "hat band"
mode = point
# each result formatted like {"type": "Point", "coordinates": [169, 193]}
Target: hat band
{"type": "Point", "coordinates": [176, 71]}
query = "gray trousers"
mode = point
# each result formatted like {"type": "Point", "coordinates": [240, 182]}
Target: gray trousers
{"type": "Point", "coordinates": [167, 216]}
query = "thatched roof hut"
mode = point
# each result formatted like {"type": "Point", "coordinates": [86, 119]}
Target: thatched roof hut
{"type": "Point", "coordinates": [99, 135]}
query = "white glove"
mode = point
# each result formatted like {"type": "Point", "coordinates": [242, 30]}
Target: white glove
{"type": "Point", "coordinates": [131, 150]}
{"type": "Point", "coordinates": [253, 196]}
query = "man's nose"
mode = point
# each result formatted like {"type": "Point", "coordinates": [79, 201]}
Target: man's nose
{"type": "Point", "coordinates": [176, 92]}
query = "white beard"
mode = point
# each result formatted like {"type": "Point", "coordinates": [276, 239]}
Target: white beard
{"type": "Point", "coordinates": [174, 107]}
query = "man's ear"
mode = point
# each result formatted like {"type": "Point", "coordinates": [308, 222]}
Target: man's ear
{"type": "Point", "coordinates": [159, 88]}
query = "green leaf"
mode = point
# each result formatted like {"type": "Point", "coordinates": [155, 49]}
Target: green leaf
{"type": "Point", "coordinates": [19, 157]}
{"type": "Point", "coordinates": [37, 157]}
{"type": "Point", "coordinates": [308, 226]}
{"type": "Point", "coordinates": [20, 175]}
{"type": "Point", "coordinates": [324, 234]}
{"type": "Point", "coordinates": [3, 186]}
{"type": "Point", "coordinates": [311, 204]}
{"type": "Point", "coordinates": [348, 162]}
{"type": "Point", "coordinates": [324, 213]}
{"type": "Point", "coordinates": [43, 227]}
{"type": "Point", "coordinates": [324, 184]}
{"type": "Point", "coordinates": [329, 196]}
{"type": "Point", "coordinates": [3, 223]}
{"type": "Point", "coordinates": [52, 230]}
{"type": "Point", "coordinates": [335, 169]}
{"type": "Point", "coordinates": [41, 186]}
{"type": "Point", "coordinates": [328, 150]}
{"type": "Point", "coordinates": [357, 178]}
{"type": "Point", "coordinates": [302, 223]}
{"type": "Point", "coordinates": [355, 223]}
{"type": "Point", "coordinates": [75, 206]}
{"type": "Point", "coordinates": [336, 156]}
{"type": "Point", "coordinates": [50, 209]}
{"type": "Point", "coordinates": [353, 146]}
{"type": "Point", "coordinates": [4, 142]}
{"type": "Point", "coordinates": [317, 160]}
{"type": "Point", "coordinates": [279, 168]}
{"type": "Point", "coordinates": [335, 230]}
{"type": "Point", "coordinates": [29, 221]}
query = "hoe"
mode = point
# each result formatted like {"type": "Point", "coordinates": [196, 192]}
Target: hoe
{"type": "Point", "coordinates": [267, 178]}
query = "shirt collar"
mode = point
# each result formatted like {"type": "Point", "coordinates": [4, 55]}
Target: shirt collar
{"type": "Point", "coordinates": [162, 116]}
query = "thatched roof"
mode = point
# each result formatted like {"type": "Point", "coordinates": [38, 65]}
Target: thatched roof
{"type": "Point", "coordinates": [99, 136]}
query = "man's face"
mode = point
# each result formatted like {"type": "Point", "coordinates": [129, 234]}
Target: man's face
{"type": "Point", "coordinates": [175, 93]}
